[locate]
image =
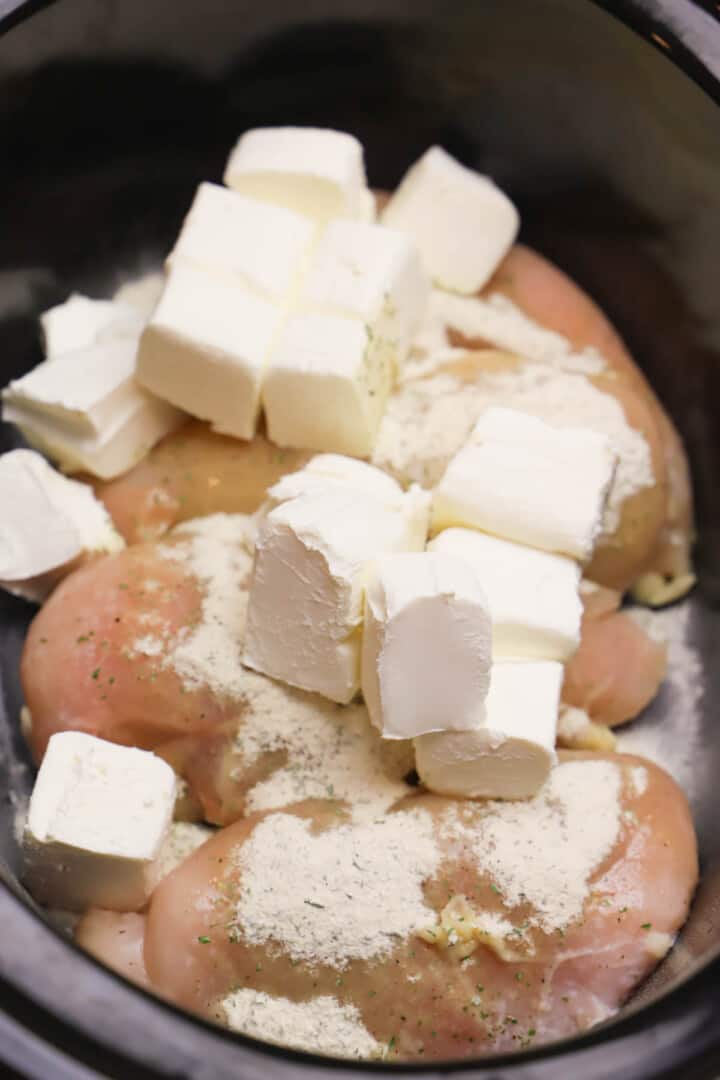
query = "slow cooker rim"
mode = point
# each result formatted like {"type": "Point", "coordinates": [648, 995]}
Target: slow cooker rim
{"type": "Point", "coordinates": [688, 1005]}
{"type": "Point", "coordinates": [647, 18]}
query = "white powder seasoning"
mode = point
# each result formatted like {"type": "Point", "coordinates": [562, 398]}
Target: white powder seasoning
{"type": "Point", "coordinates": [322, 1025]}
{"type": "Point", "coordinates": [502, 323]}
{"type": "Point", "coordinates": [181, 840]}
{"type": "Point", "coordinates": [545, 851]}
{"type": "Point", "coordinates": [670, 732]}
{"type": "Point", "coordinates": [332, 751]}
{"type": "Point", "coordinates": [351, 892]}
{"type": "Point", "coordinates": [218, 553]}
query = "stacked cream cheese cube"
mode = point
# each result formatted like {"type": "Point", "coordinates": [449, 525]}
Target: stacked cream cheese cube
{"type": "Point", "coordinates": [464, 645]}
{"type": "Point", "coordinates": [521, 505]}
{"type": "Point", "coordinates": [283, 294]}
{"type": "Point", "coordinates": [460, 646]}
{"type": "Point", "coordinates": [83, 406]}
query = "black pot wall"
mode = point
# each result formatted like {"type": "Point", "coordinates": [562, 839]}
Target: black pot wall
{"type": "Point", "coordinates": [112, 112]}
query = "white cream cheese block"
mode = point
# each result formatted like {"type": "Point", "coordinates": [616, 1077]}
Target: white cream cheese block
{"type": "Point", "coordinates": [313, 558]}
{"type": "Point", "coordinates": [525, 480]}
{"type": "Point", "coordinates": [48, 522]}
{"type": "Point", "coordinates": [206, 347]}
{"type": "Point", "coordinates": [427, 645]}
{"type": "Point", "coordinates": [141, 293]}
{"type": "Point", "coordinates": [85, 409]}
{"type": "Point", "coordinates": [97, 819]}
{"type": "Point", "coordinates": [533, 595]}
{"type": "Point", "coordinates": [263, 246]}
{"type": "Point", "coordinates": [508, 756]}
{"type": "Point", "coordinates": [80, 322]}
{"type": "Point", "coordinates": [314, 171]}
{"type": "Point", "coordinates": [462, 223]}
{"type": "Point", "coordinates": [370, 273]}
{"type": "Point", "coordinates": [336, 471]}
{"type": "Point", "coordinates": [327, 385]}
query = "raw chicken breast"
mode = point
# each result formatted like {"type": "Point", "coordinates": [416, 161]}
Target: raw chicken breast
{"type": "Point", "coordinates": [143, 648]}
{"type": "Point", "coordinates": [550, 297]}
{"type": "Point", "coordinates": [617, 669]}
{"type": "Point", "coordinates": [431, 415]}
{"type": "Point", "coordinates": [437, 930]}
{"type": "Point", "coordinates": [114, 652]}
{"type": "Point", "coordinates": [116, 939]}
{"type": "Point", "coordinates": [193, 472]}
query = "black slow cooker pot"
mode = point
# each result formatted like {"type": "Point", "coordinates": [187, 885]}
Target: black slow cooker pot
{"type": "Point", "coordinates": [603, 123]}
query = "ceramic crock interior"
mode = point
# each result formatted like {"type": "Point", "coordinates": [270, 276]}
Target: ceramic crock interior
{"type": "Point", "coordinates": [111, 114]}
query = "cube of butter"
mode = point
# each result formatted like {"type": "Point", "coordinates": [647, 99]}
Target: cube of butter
{"type": "Point", "coordinates": [427, 645]}
{"type": "Point", "coordinates": [522, 479]}
{"type": "Point", "coordinates": [327, 385]}
{"type": "Point", "coordinates": [263, 246]}
{"type": "Point", "coordinates": [462, 223]}
{"type": "Point", "coordinates": [533, 595]}
{"type": "Point", "coordinates": [313, 558]}
{"type": "Point", "coordinates": [97, 819]}
{"type": "Point", "coordinates": [206, 347]}
{"type": "Point", "coordinates": [314, 171]}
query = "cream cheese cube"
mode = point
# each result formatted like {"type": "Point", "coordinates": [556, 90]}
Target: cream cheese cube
{"type": "Point", "coordinates": [313, 558]}
{"type": "Point", "coordinates": [533, 595]}
{"type": "Point", "coordinates": [116, 449]}
{"type": "Point", "coordinates": [314, 171]}
{"type": "Point", "coordinates": [327, 385]}
{"type": "Point", "coordinates": [206, 347]}
{"type": "Point", "coordinates": [48, 523]}
{"type": "Point", "coordinates": [525, 480]}
{"type": "Point", "coordinates": [85, 409]}
{"type": "Point", "coordinates": [370, 273]}
{"type": "Point", "coordinates": [335, 471]}
{"type": "Point", "coordinates": [427, 646]}
{"type": "Point", "coordinates": [80, 322]}
{"type": "Point", "coordinates": [264, 246]}
{"type": "Point", "coordinates": [142, 293]}
{"type": "Point", "coordinates": [97, 819]}
{"type": "Point", "coordinates": [462, 223]}
{"type": "Point", "coordinates": [511, 754]}
{"type": "Point", "coordinates": [83, 390]}
{"type": "Point", "coordinates": [368, 207]}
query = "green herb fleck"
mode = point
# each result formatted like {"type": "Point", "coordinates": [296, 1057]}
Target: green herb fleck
{"type": "Point", "coordinates": [646, 926]}
{"type": "Point", "coordinates": [96, 673]}
{"type": "Point", "coordinates": [204, 939]}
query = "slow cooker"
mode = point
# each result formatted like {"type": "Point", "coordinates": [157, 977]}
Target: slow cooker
{"type": "Point", "coordinates": [602, 120]}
